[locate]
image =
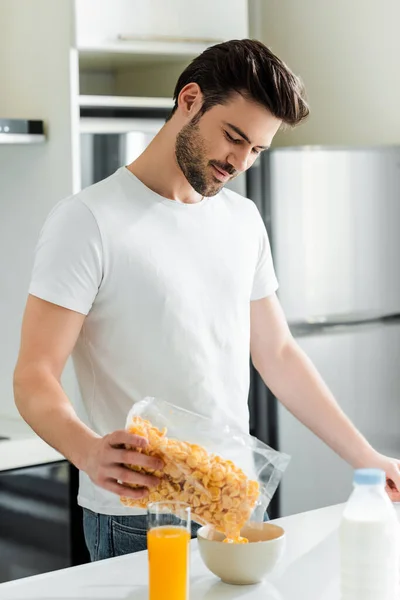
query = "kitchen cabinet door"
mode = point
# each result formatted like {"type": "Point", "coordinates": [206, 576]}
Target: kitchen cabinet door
{"type": "Point", "coordinates": [110, 22]}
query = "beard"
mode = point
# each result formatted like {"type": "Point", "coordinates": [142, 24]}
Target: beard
{"type": "Point", "coordinates": [190, 152]}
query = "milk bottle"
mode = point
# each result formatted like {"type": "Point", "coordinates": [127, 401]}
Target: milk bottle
{"type": "Point", "coordinates": [369, 541]}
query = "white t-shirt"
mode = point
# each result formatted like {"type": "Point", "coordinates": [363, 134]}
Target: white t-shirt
{"type": "Point", "coordinates": [166, 288]}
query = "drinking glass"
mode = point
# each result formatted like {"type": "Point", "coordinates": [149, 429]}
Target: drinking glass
{"type": "Point", "coordinates": [168, 538]}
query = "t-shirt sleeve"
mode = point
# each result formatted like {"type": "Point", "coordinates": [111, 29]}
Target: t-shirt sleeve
{"type": "Point", "coordinates": [265, 282]}
{"type": "Point", "coordinates": [68, 268]}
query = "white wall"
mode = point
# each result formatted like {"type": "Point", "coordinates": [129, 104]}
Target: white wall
{"type": "Point", "coordinates": [32, 178]}
{"type": "Point", "coordinates": [348, 54]}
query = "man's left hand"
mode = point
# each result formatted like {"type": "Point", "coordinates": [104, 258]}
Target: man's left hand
{"type": "Point", "coordinates": [391, 466]}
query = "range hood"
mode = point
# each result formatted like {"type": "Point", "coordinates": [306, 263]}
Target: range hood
{"type": "Point", "coordinates": [21, 131]}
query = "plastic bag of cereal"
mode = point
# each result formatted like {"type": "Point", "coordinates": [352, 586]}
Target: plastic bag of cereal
{"type": "Point", "coordinates": [226, 476]}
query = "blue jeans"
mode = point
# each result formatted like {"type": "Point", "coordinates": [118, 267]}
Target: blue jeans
{"type": "Point", "coordinates": [107, 536]}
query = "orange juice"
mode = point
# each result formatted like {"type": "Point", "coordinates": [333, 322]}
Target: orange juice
{"type": "Point", "coordinates": [168, 549]}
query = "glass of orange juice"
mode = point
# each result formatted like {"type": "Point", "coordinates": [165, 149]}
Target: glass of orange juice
{"type": "Point", "coordinates": [168, 538]}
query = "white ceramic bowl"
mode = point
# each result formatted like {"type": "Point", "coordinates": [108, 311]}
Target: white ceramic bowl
{"type": "Point", "coordinates": [243, 564]}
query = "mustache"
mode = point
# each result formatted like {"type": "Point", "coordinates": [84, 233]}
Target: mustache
{"type": "Point", "coordinates": [224, 166]}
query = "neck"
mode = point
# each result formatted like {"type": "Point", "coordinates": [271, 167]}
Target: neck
{"type": "Point", "coordinates": [157, 169]}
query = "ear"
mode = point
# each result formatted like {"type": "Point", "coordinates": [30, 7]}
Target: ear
{"type": "Point", "coordinates": [190, 99]}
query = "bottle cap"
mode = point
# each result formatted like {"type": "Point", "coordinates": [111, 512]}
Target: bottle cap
{"type": "Point", "coordinates": [369, 477]}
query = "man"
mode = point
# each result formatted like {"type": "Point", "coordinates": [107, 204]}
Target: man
{"type": "Point", "coordinates": [158, 280]}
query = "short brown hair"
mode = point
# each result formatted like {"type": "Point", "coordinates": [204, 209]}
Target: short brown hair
{"type": "Point", "coordinates": [249, 68]}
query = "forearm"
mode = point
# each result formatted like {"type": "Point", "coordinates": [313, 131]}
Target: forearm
{"type": "Point", "coordinates": [294, 380]}
{"type": "Point", "coordinates": [44, 405]}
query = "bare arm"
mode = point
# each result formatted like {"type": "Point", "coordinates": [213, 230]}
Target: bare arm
{"type": "Point", "coordinates": [49, 334]}
{"type": "Point", "coordinates": [295, 381]}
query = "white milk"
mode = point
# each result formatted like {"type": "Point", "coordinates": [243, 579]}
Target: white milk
{"type": "Point", "coordinates": [369, 541]}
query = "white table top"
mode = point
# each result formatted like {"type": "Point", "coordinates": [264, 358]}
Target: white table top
{"type": "Point", "coordinates": [309, 571]}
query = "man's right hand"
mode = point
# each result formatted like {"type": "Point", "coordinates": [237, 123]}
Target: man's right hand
{"type": "Point", "coordinates": [106, 462]}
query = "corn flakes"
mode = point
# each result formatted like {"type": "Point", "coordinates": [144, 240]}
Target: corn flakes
{"type": "Point", "coordinates": [218, 492]}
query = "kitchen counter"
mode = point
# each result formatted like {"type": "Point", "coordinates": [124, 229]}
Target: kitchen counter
{"type": "Point", "coordinates": [309, 570]}
{"type": "Point", "coordinates": [40, 521]}
{"type": "Point", "coordinates": [23, 448]}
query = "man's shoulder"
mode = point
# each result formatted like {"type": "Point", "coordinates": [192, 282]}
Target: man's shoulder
{"type": "Point", "coordinates": [100, 193]}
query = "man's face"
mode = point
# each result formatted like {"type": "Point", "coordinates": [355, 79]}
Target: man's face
{"type": "Point", "coordinates": [223, 143]}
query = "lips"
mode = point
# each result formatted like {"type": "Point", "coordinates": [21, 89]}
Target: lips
{"type": "Point", "coordinates": [220, 174]}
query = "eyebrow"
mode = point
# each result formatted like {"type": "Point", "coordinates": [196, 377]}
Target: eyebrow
{"type": "Point", "coordinates": [243, 135]}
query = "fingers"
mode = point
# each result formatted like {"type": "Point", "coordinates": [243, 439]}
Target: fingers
{"type": "Point", "coordinates": [111, 454]}
{"type": "Point", "coordinates": [127, 476]}
{"type": "Point", "coordinates": [121, 437]}
{"type": "Point", "coordinates": [393, 494]}
{"type": "Point", "coordinates": [394, 476]}
{"type": "Point", "coordinates": [393, 490]}
{"type": "Point", "coordinates": [123, 490]}
{"type": "Point", "coordinates": [130, 457]}
{"type": "Point", "coordinates": [393, 481]}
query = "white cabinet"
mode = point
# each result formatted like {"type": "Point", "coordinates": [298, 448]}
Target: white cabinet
{"type": "Point", "coordinates": [105, 23]}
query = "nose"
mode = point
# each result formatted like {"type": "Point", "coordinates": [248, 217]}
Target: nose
{"type": "Point", "coordinates": [240, 159]}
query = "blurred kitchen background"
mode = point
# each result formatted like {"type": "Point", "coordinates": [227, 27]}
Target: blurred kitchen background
{"type": "Point", "coordinates": [95, 82]}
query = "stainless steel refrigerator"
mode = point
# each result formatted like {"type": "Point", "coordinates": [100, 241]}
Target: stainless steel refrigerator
{"type": "Point", "coordinates": [334, 219]}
